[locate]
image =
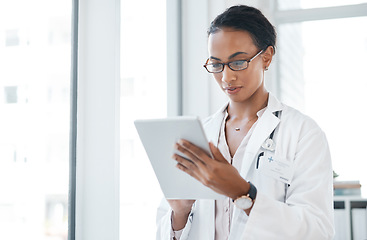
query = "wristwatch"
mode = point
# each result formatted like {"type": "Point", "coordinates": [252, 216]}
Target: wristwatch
{"type": "Point", "coordinates": [245, 202]}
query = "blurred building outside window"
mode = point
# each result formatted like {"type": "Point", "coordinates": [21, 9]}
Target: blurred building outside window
{"type": "Point", "coordinates": [35, 53]}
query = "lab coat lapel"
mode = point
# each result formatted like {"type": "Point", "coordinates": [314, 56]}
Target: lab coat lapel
{"type": "Point", "coordinates": [265, 125]}
{"type": "Point", "coordinates": [213, 126]}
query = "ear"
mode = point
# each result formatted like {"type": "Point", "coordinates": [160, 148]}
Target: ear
{"type": "Point", "coordinates": [268, 57]}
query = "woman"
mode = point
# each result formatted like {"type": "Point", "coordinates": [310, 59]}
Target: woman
{"type": "Point", "coordinates": [270, 161]}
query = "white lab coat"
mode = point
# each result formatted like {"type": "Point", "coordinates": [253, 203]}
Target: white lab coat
{"type": "Point", "coordinates": [303, 210]}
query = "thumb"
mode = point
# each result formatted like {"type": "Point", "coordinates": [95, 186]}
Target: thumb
{"type": "Point", "coordinates": [216, 153]}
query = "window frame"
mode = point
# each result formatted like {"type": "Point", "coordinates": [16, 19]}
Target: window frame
{"type": "Point", "coordinates": [73, 119]}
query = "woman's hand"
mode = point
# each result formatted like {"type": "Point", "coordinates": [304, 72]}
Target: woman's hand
{"type": "Point", "coordinates": [215, 173]}
{"type": "Point", "coordinates": [181, 209]}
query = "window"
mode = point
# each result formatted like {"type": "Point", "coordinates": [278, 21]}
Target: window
{"type": "Point", "coordinates": [34, 123]}
{"type": "Point", "coordinates": [321, 72]}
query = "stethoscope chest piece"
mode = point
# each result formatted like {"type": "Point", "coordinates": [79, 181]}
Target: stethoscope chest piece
{"type": "Point", "coordinates": [269, 144]}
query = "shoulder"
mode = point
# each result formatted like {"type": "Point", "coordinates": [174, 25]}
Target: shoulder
{"type": "Point", "coordinates": [300, 135]}
{"type": "Point", "coordinates": [206, 121]}
{"type": "Point", "coordinates": [214, 118]}
{"type": "Point", "coordinates": [296, 122]}
{"type": "Point", "coordinates": [290, 117]}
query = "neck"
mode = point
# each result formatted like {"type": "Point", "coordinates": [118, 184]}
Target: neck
{"type": "Point", "coordinates": [248, 109]}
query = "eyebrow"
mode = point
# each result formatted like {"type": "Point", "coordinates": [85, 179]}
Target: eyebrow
{"type": "Point", "coordinates": [232, 56]}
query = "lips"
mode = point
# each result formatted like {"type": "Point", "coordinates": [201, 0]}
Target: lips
{"type": "Point", "coordinates": [232, 90]}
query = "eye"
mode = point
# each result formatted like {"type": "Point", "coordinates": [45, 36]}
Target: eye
{"type": "Point", "coordinates": [216, 65]}
{"type": "Point", "coordinates": [238, 63]}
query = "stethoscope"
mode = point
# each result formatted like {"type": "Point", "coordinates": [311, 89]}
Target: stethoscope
{"type": "Point", "coordinates": [269, 144]}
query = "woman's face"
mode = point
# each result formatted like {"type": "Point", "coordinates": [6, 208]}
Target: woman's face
{"type": "Point", "coordinates": [228, 45]}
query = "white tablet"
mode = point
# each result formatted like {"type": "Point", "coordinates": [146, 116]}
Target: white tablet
{"type": "Point", "coordinates": [158, 137]}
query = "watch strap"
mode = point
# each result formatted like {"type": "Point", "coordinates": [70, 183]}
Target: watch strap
{"type": "Point", "coordinates": [252, 192]}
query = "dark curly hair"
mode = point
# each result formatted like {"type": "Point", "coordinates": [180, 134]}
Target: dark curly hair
{"type": "Point", "coordinates": [250, 19]}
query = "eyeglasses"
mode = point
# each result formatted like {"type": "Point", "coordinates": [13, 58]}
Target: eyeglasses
{"type": "Point", "coordinates": [237, 65]}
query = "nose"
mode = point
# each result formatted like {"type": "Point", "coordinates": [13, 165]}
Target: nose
{"type": "Point", "coordinates": [228, 75]}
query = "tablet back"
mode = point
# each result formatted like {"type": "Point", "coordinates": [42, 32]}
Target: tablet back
{"type": "Point", "coordinates": [158, 137]}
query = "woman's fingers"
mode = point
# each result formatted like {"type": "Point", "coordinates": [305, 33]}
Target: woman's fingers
{"type": "Point", "coordinates": [187, 170]}
{"type": "Point", "coordinates": [187, 166]}
{"type": "Point", "coordinates": [198, 152]}
{"type": "Point", "coordinates": [184, 162]}
{"type": "Point", "coordinates": [192, 152]}
{"type": "Point", "coordinates": [215, 173]}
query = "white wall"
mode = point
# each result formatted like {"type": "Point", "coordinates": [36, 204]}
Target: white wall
{"type": "Point", "coordinates": [97, 192]}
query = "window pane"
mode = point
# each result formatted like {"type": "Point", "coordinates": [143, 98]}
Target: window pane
{"type": "Point", "coordinates": [143, 95]}
{"type": "Point", "coordinates": [34, 123]}
{"type": "Point", "coordinates": [323, 73]}
{"type": "Point", "coordinates": [303, 4]}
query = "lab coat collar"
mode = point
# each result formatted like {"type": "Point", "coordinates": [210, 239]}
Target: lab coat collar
{"type": "Point", "coordinates": [212, 125]}
{"type": "Point", "coordinates": [274, 104]}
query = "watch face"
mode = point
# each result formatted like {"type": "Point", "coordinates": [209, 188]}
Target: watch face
{"type": "Point", "coordinates": [243, 202]}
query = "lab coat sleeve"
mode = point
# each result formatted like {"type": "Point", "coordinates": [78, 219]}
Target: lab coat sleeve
{"type": "Point", "coordinates": [308, 209]}
{"type": "Point", "coordinates": [164, 224]}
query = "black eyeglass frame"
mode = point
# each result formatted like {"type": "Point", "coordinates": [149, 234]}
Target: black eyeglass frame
{"type": "Point", "coordinates": [230, 63]}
